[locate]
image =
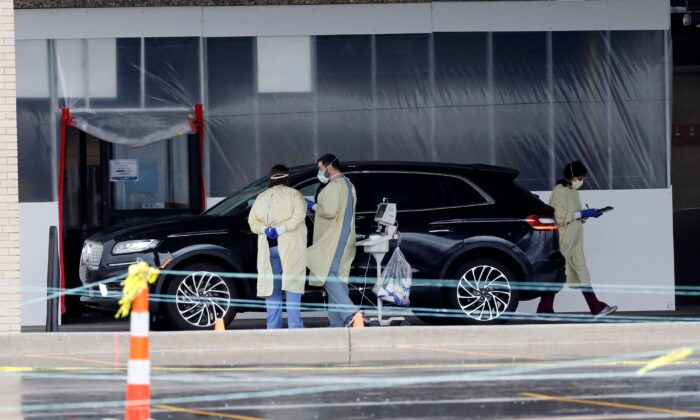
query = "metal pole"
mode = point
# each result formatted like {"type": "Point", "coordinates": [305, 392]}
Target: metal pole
{"type": "Point", "coordinates": [491, 97]}
{"type": "Point", "coordinates": [53, 284]}
{"type": "Point", "coordinates": [379, 300]}
{"type": "Point", "coordinates": [432, 96]}
{"type": "Point", "coordinates": [373, 65]}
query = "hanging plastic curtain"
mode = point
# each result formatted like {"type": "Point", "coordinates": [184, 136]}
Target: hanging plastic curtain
{"type": "Point", "coordinates": [531, 101]}
{"type": "Point", "coordinates": [128, 92]}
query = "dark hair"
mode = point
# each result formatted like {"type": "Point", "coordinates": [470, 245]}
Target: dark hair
{"type": "Point", "coordinates": [329, 159]}
{"type": "Point", "coordinates": [278, 170]}
{"type": "Point", "coordinates": [572, 170]}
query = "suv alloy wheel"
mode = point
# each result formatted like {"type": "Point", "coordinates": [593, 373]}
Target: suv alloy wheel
{"type": "Point", "coordinates": [195, 300]}
{"type": "Point", "coordinates": [483, 292]}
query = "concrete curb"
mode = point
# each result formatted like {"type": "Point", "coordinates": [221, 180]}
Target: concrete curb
{"type": "Point", "coordinates": [334, 345]}
{"type": "Point", "coordinates": [523, 335]}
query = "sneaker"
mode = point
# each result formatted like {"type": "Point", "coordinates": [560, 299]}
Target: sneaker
{"type": "Point", "coordinates": [608, 310]}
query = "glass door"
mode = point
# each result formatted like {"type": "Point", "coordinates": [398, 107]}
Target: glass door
{"type": "Point", "coordinates": [160, 178]}
{"type": "Point", "coordinates": [153, 181]}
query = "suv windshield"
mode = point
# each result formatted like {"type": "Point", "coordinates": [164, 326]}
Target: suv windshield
{"type": "Point", "coordinates": [240, 201]}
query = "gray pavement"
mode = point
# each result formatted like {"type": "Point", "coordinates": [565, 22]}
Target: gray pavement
{"type": "Point", "coordinates": [570, 371]}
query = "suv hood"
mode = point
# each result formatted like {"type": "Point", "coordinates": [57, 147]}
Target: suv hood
{"type": "Point", "coordinates": [159, 228]}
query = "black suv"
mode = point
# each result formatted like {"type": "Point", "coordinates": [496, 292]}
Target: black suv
{"type": "Point", "coordinates": [470, 224]}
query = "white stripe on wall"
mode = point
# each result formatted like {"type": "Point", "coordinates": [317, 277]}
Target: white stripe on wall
{"type": "Point", "coordinates": [630, 246]}
{"type": "Point", "coordinates": [34, 222]}
{"type": "Point", "coordinates": [501, 16]}
{"type": "Point", "coordinates": [527, 16]}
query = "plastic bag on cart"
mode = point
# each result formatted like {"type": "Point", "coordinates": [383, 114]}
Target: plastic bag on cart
{"type": "Point", "coordinates": [394, 286]}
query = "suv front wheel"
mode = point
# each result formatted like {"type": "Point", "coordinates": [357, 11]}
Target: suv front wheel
{"type": "Point", "coordinates": [198, 298]}
{"type": "Point", "coordinates": [483, 292]}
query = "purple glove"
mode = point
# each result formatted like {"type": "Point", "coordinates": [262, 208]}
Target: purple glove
{"type": "Point", "coordinates": [271, 233]}
{"type": "Point", "coordinates": [587, 213]}
{"type": "Point", "coordinates": [310, 205]}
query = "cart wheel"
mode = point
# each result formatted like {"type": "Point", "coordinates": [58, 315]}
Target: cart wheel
{"type": "Point", "coordinates": [405, 323]}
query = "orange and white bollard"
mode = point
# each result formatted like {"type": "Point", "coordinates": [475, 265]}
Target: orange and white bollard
{"type": "Point", "coordinates": [138, 383]}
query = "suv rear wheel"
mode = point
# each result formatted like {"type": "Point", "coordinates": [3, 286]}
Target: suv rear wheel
{"type": "Point", "coordinates": [483, 292]}
{"type": "Point", "coordinates": [197, 299]}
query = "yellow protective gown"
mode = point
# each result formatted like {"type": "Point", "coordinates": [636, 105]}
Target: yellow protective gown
{"type": "Point", "coordinates": [566, 202]}
{"type": "Point", "coordinates": [334, 232]}
{"type": "Point", "coordinates": [281, 206]}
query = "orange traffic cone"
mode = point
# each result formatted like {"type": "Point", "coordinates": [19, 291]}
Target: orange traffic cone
{"type": "Point", "coordinates": [219, 325]}
{"type": "Point", "coordinates": [358, 321]}
{"type": "Point", "coordinates": [138, 382]}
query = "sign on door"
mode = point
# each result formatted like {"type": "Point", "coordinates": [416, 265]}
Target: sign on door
{"type": "Point", "coordinates": [123, 170]}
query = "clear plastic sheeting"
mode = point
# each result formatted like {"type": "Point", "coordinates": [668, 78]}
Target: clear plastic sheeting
{"type": "Point", "coordinates": [134, 129]}
{"type": "Point", "coordinates": [129, 91]}
{"type": "Point", "coordinates": [531, 101]}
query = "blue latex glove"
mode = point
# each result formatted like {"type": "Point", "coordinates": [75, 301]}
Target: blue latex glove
{"type": "Point", "coordinates": [271, 233]}
{"type": "Point", "coordinates": [587, 213]}
{"type": "Point", "coordinates": [309, 205]}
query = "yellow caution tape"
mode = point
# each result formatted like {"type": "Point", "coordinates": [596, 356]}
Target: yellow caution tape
{"type": "Point", "coordinates": [140, 276]}
{"type": "Point", "coordinates": [671, 357]}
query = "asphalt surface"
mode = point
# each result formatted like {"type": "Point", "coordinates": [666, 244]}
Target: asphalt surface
{"type": "Point", "coordinates": [574, 379]}
{"type": "Point", "coordinates": [453, 384]}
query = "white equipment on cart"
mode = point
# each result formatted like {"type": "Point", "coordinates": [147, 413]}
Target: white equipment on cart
{"type": "Point", "coordinates": [377, 244]}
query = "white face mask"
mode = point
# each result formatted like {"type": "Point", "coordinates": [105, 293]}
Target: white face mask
{"type": "Point", "coordinates": [576, 184]}
{"type": "Point", "coordinates": [322, 177]}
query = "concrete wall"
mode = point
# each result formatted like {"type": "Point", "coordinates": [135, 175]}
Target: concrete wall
{"type": "Point", "coordinates": [34, 222]}
{"type": "Point", "coordinates": [629, 252]}
{"type": "Point", "coordinates": [344, 19]}
{"type": "Point", "coordinates": [10, 297]}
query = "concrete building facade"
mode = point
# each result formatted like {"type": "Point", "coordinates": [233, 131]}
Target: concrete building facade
{"type": "Point", "coordinates": [529, 85]}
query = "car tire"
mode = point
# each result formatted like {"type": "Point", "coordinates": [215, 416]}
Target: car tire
{"type": "Point", "coordinates": [484, 292]}
{"type": "Point", "coordinates": [197, 299]}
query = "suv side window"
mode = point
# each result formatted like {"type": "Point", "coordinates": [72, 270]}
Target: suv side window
{"type": "Point", "coordinates": [308, 190]}
{"type": "Point", "coordinates": [457, 192]}
{"type": "Point", "coordinates": [408, 190]}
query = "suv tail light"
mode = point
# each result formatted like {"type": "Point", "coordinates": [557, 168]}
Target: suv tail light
{"type": "Point", "coordinates": [542, 223]}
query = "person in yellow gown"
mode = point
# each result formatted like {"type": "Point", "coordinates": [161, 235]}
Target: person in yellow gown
{"type": "Point", "coordinates": [330, 257]}
{"type": "Point", "coordinates": [570, 217]}
{"type": "Point", "coordinates": [277, 217]}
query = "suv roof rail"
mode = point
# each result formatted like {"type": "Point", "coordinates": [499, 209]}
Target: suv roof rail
{"type": "Point", "coordinates": [474, 166]}
{"type": "Point", "coordinates": [495, 169]}
{"type": "Point", "coordinates": [408, 165]}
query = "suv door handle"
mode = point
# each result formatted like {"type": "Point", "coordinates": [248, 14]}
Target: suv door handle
{"type": "Point", "coordinates": [440, 230]}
